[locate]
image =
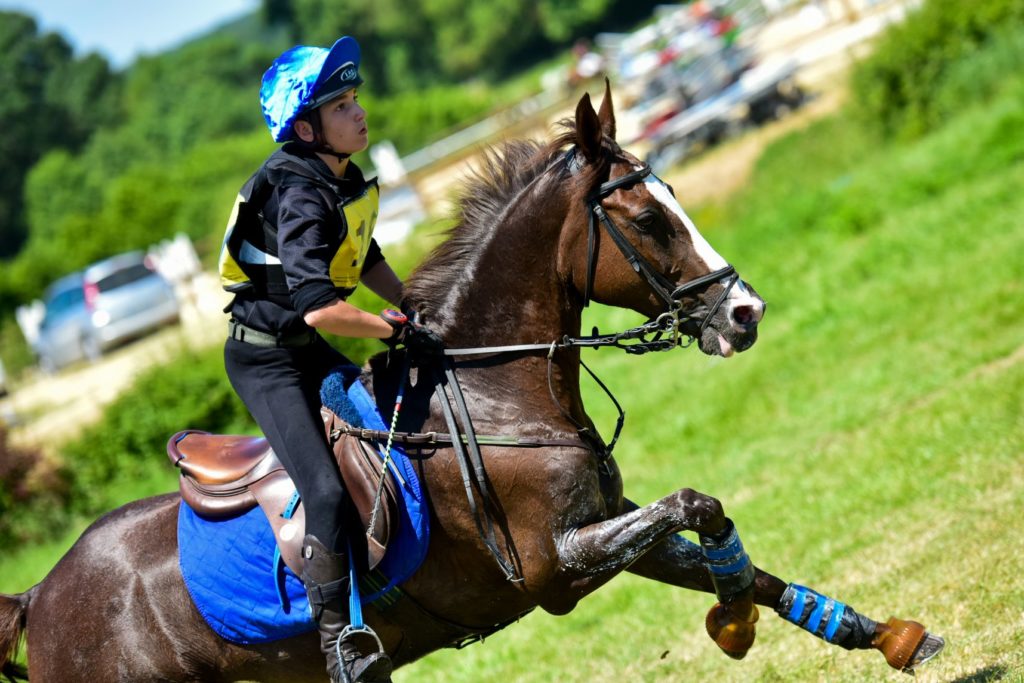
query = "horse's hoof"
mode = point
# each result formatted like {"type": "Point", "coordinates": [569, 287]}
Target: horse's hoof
{"type": "Point", "coordinates": [734, 635]}
{"type": "Point", "coordinates": [906, 644]}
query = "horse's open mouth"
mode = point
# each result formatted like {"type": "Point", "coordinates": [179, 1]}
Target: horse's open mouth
{"type": "Point", "coordinates": [714, 343]}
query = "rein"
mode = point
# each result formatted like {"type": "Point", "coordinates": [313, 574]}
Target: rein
{"type": "Point", "coordinates": [433, 440]}
{"type": "Point", "coordinates": [468, 454]}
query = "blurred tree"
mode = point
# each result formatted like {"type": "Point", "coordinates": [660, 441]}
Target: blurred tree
{"type": "Point", "coordinates": [475, 38]}
{"type": "Point", "coordinates": [50, 100]}
{"type": "Point", "coordinates": [561, 20]}
{"type": "Point", "coordinates": [203, 91]}
{"type": "Point", "coordinates": [411, 45]}
{"type": "Point", "coordinates": [274, 12]}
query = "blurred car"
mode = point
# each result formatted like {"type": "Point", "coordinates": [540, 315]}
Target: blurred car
{"type": "Point", "coordinates": [108, 303]}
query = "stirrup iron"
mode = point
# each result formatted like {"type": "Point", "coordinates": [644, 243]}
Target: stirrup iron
{"type": "Point", "coordinates": [350, 631]}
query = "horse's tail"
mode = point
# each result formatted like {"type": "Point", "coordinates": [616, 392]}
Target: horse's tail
{"type": "Point", "coordinates": [13, 610]}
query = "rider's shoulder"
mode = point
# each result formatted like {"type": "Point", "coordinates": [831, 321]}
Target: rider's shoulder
{"type": "Point", "coordinates": [294, 165]}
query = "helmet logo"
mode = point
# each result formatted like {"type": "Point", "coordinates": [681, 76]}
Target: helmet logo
{"type": "Point", "coordinates": [349, 74]}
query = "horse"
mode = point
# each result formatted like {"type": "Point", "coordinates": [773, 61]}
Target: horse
{"type": "Point", "coordinates": [542, 230]}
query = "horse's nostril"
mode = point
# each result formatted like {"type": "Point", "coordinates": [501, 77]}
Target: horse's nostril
{"type": "Point", "coordinates": [745, 315]}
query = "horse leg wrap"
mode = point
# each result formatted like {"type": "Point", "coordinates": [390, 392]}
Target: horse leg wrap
{"type": "Point", "coordinates": [825, 617]}
{"type": "Point", "coordinates": [732, 572]}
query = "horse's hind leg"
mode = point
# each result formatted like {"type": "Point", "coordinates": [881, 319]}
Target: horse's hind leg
{"type": "Point", "coordinates": [677, 561]}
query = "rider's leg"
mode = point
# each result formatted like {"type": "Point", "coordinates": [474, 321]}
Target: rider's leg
{"type": "Point", "coordinates": [280, 387]}
{"type": "Point", "coordinates": [327, 583]}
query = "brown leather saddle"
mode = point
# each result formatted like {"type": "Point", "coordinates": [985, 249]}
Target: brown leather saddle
{"type": "Point", "coordinates": [222, 476]}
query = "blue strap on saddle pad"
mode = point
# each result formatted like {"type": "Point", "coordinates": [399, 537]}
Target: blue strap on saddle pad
{"type": "Point", "coordinates": [228, 564]}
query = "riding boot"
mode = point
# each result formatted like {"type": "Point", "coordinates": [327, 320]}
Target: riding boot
{"type": "Point", "coordinates": [325, 576]}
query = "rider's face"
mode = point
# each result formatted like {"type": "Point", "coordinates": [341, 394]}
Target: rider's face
{"type": "Point", "coordinates": [344, 123]}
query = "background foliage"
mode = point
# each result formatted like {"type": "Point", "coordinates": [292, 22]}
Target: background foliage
{"type": "Point", "coordinates": [51, 100]}
{"type": "Point", "coordinates": [900, 83]}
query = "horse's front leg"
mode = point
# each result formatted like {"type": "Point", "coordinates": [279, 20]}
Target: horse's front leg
{"type": "Point", "coordinates": [678, 562]}
{"type": "Point", "coordinates": [592, 554]}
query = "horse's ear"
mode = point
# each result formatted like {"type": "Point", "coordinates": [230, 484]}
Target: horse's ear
{"type": "Point", "coordinates": [588, 129]}
{"type": "Point", "coordinates": [607, 113]}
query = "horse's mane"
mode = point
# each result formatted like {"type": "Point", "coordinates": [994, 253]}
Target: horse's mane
{"type": "Point", "coordinates": [483, 198]}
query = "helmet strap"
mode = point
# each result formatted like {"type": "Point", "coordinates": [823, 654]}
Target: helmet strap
{"type": "Point", "coordinates": [318, 145]}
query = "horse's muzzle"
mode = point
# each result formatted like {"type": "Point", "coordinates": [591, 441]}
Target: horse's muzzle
{"type": "Point", "coordinates": [733, 328]}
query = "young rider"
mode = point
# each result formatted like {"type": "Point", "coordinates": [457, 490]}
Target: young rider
{"type": "Point", "coordinates": [298, 243]}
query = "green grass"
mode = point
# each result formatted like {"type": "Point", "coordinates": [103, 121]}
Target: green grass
{"type": "Point", "coordinates": [870, 445]}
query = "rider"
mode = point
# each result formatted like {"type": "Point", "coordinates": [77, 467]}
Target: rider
{"type": "Point", "coordinates": [298, 243]}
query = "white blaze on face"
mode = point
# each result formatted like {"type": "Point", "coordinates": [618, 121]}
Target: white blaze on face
{"type": "Point", "coordinates": [704, 250]}
{"type": "Point", "coordinates": [739, 295]}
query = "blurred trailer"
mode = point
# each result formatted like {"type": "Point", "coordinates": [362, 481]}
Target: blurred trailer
{"type": "Point", "coordinates": [760, 94]}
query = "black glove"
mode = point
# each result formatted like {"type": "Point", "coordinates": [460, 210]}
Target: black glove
{"type": "Point", "coordinates": [421, 342]}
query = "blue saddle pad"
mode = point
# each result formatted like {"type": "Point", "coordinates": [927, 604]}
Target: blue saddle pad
{"type": "Point", "coordinates": [230, 568]}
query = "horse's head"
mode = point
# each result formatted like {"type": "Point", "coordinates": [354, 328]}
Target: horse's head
{"type": "Point", "coordinates": [641, 251]}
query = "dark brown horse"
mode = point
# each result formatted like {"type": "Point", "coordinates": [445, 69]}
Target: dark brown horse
{"type": "Point", "coordinates": [543, 230]}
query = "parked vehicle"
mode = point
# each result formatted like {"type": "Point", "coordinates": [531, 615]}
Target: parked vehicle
{"type": "Point", "coordinates": [108, 303]}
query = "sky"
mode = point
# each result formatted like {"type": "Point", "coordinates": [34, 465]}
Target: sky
{"type": "Point", "coordinates": [123, 29]}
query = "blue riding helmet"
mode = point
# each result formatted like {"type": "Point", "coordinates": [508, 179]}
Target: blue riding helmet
{"type": "Point", "coordinates": [305, 77]}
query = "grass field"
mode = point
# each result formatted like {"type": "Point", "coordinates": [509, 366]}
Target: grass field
{"type": "Point", "coordinates": [871, 445]}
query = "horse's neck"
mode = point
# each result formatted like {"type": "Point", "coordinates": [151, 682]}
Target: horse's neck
{"type": "Point", "coordinates": [518, 295]}
{"type": "Point", "coordinates": [515, 294]}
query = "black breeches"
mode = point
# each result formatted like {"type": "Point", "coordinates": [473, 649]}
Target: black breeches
{"type": "Point", "coordinates": [281, 389]}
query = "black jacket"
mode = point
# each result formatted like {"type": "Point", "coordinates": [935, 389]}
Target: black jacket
{"type": "Point", "coordinates": [309, 230]}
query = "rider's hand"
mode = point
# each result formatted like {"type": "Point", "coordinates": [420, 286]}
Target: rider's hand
{"type": "Point", "coordinates": [421, 342]}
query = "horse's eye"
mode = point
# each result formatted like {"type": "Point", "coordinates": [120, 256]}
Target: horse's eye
{"type": "Point", "coordinates": [646, 219]}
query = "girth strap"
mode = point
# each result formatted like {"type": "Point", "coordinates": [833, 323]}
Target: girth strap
{"type": "Point", "coordinates": [471, 465]}
{"type": "Point", "coordinates": [424, 440]}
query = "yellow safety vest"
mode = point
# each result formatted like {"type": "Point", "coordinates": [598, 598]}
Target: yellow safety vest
{"type": "Point", "coordinates": [248, 258]}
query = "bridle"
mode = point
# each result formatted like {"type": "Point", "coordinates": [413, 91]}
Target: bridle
{"type": "Point", "coordinates": [670, 293]}
{"type": "Point", "coordinates": [659, 334]}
